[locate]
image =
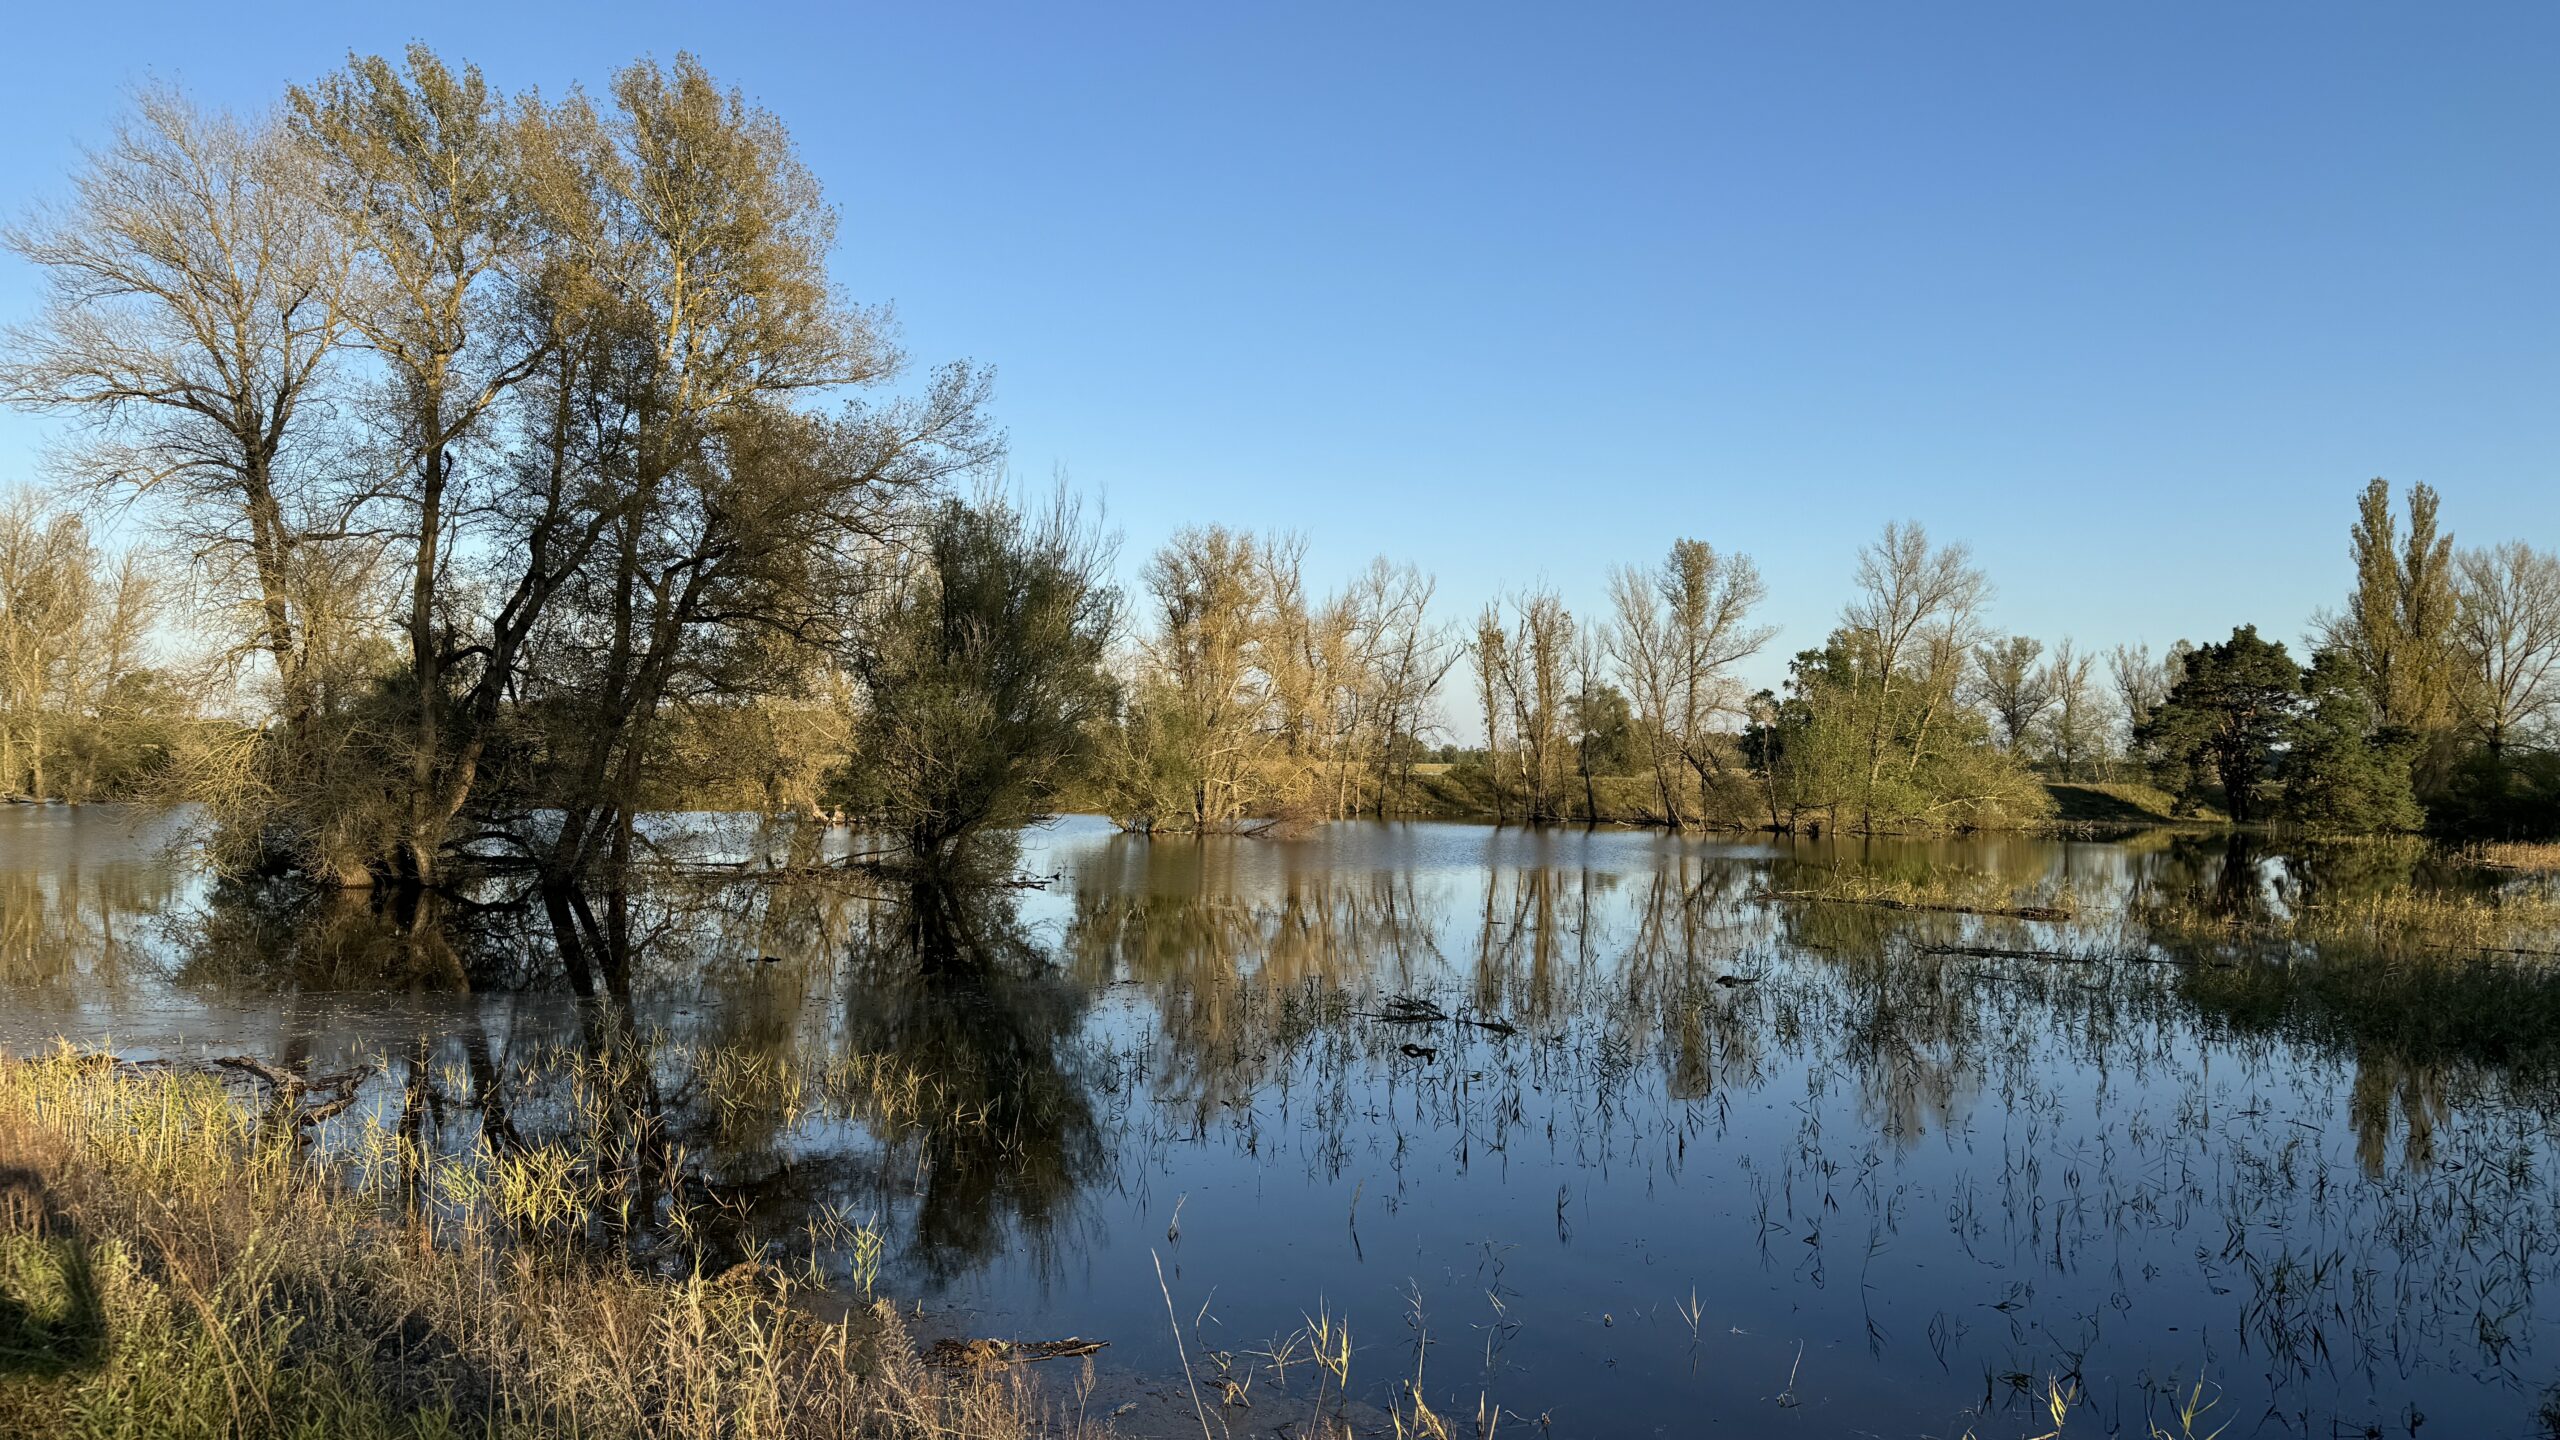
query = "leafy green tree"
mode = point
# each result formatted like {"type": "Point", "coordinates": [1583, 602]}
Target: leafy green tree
{"type": "Point", "coordinates": [2508, 795]}
{"type": "Point", "coordinates": [1604, 731]}
{"type": "Point", "coordinates": [985, 684]}
{"type": "Point", "coordinates": [2341, 770]}
{"type": "Point", "coordinates": [1940, 770]}
{"type": "Point", "coordinates": [2224, 721]}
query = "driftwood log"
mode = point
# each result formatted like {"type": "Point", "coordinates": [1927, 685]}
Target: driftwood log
{"type": "Point", "coordinates": [1938, 907]}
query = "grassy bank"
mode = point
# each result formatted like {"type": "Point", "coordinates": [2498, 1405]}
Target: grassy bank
{"type": "Point", "coordinates": [2121, 802]}
{"type": "Point", "coordinates": [1462, 792]}
{"type": "Point", "coordinates": [172, 1266]}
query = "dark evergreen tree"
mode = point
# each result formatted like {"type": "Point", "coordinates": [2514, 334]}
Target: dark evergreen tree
{"type": "Point", "coordinates": [2341, 769]}
{"type": "Point", "coordinates": [2225, 722]}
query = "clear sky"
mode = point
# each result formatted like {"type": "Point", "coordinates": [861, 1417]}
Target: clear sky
{"type": "Point", "coordinates": [2132, 298]}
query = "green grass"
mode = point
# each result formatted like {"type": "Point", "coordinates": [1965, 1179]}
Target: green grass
{"type": "Point", "coordinates": [1464, 792]}
{"type": "Point", "coordinates": [2119, 802]}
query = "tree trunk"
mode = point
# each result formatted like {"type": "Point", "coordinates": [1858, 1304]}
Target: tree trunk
{"type": "Point", "coordinates": [425, 825]}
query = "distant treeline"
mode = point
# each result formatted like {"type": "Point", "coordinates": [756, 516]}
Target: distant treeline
{"type": "Point", "coordinates": [2429, 700]}
{"type": "Point", "coordinates": [512, 466]}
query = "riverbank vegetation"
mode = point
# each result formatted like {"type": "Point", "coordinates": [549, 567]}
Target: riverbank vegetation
{"type": "Point", "coordinates": [2517, 855]}
{"type": "Point", "coordinates": [518, 467]}
{"type": "Point", "coordinates": [174, 1261]}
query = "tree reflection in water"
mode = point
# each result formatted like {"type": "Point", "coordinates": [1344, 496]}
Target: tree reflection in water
{"type": "Point", "coordinates": [2237, 1094]}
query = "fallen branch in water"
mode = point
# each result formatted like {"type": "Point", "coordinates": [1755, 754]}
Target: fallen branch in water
{"type": "Point", "coordinates": [978, 1354]}
{"type": "Point", "coordinates": [1414, 1010]}
{"type": "Point", "coordinates": [2496, 950]}
{"type": "Point", "coordinates": [2065, 957]}
{"type": "Point", "coordinates": [1942, 907]}
{"type": "Point", "coordinates": [308, 1100]}
{"type": "Point", "coordinates": [1994, 952]}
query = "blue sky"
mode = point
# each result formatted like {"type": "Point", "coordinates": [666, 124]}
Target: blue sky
{"type": "Point", "coordinates": [2130, 298]}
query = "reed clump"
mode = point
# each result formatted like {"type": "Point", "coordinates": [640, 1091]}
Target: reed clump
{"type": "Point", "coordinates": [175, 1263]}
{"type": "Point", "coordinates": [2512, 921]}
{"type": "Point", "coordinates": [2517, 922]}
{"type": "Point", "coordinates": [2532, 857]}
{"type": "Point", "coordinates": [1960, 892]}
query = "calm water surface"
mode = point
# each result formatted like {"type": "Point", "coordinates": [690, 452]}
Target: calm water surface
{"type": "Point", "coordinates": [1714, 1161]}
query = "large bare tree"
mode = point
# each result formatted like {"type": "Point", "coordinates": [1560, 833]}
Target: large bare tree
{"type": "Point", "coordinates": [1680, 631]}
{"type": "Point", "coordinates": [2075, 732]}
{"type": "Point", "coordinates": [195, 297]}
{"type": "Point", "coordinates": [2507, 630]}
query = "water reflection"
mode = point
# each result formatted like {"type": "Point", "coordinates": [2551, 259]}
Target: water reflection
{"type": "Point", "coordinates": [79, 891]}
{"type": "Point", "coordinates": [950, 985]}
{"type": "Point", "coordinates": [1530, 1093]}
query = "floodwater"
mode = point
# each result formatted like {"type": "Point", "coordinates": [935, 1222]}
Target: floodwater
{"type": "Point", "coordinates": [1688, 1153]}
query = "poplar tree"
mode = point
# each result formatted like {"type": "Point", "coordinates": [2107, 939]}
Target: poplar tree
{"type": "Point", "coordinates": [2396, 632]}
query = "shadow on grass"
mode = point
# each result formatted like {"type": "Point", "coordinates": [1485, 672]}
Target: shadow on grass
{"type": "Point", "coordinates": [2083, 803]}
{"type": "Point", "coordinates": [51, 1322]}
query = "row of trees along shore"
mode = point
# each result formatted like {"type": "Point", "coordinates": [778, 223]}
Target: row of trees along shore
{"type": "Point", "coordinates": [510, 466]}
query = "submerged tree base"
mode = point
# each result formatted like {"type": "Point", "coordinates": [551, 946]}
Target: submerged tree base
{"type": "Point", "coordinates": [173, 1265]}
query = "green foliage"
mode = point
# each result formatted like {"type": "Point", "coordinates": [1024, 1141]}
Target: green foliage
{"type": "Point", "coordinates": [2396, 637]}
{"type": "Point", "coordinates": [2223, 722]}
{"type": "Point", "coordinates": [1604, 731]}
{"type": "Point", "coordinates": [1844, 747]}
{"type": "Point", "coordinates": [2340, 771]}
{"type": "Point", "coordinates": [1158, 767]}
{"type": "Point", "coordinates": [2501, 793]}
{"type": "Point", "coordinates": [2244, 718]}
{"type": "Point", "coordinates": [984, 684]}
